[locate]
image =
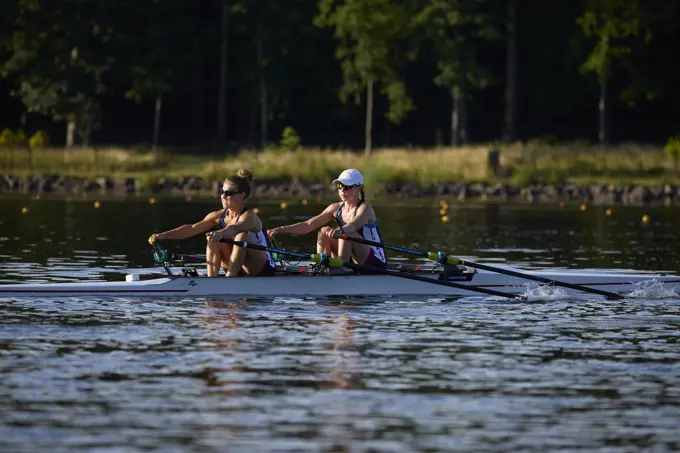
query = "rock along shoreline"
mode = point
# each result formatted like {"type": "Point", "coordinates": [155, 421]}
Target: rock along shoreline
{"type": "Point", "coordinates": [533, 193]}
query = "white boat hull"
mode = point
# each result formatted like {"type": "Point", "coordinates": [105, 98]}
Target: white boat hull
{"type": "Point", "coordinates": [336, 285]}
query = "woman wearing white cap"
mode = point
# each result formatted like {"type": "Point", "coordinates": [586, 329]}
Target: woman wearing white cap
{"type": "Point", "coordinates": [355, 218]}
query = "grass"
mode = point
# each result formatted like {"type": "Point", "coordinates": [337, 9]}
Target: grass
{"type": "Point", "coordinates": [521, 164]}
{"type": "Point", "coordinates": [578, 163]}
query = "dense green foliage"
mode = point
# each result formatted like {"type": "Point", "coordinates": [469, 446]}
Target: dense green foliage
{"type": "Point", "coordinates": [114, 68]}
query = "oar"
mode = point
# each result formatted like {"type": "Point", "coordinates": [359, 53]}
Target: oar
{"type": "Point", "coordinates": [443, 258]}
{"type": "Point", "coordinates": [187, 258]}
{"type": "Point", "coordinates": [161, 257]}
{"type": "Point", "coordinates": [335, 262]}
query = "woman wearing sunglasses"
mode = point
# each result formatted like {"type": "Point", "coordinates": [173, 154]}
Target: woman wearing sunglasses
{"type": "Point", "coordinates": [354, 217]}
{"type": "Point", "coordinates": [235, 221]}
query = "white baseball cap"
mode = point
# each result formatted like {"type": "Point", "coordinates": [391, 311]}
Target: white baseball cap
{"type": "Point", "coordinates": [350, 177]}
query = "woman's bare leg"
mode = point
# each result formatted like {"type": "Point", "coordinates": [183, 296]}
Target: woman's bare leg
{"type": "Point", "coordinates": [244, 258]}
{"type": "Point", "coordinates": [349, 249]}
{"type": "Point", "coordinates": [216, 256]}
{"type": "Point", "coordinates": [324, 244]}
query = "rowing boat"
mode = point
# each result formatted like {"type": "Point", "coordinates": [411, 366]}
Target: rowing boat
{"type": "Point", "coordinates": [299, 281]}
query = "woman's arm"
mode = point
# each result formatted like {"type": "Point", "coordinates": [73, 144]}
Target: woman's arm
{"type": "Point", "coordinates": [187, 231]}
{"type": "Point", "coordinates": [248, 222]}
{"type": "Point", "coordinates": [364, 214]}
{"type": "Point", "coordinates": [302, 228]}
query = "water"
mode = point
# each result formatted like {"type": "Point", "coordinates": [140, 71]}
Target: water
{"type": "Point", "coordinates": [342, 375]}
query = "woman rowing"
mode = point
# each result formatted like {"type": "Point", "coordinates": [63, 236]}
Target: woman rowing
{"type": "Point", "coordinates": [355, 218]}
{"type": "Point", "coordinates": [235, 221]}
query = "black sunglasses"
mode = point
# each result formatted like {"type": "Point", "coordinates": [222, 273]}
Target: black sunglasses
{"type": "Point", "coordinates": [228, 193]}
{"type": "Point", "coordinates": [345, 188]}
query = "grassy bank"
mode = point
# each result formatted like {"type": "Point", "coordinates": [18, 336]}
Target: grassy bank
{"type": "Point", "coordinates": [520, 164]}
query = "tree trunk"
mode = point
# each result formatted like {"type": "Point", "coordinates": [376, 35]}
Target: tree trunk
{"type": "Point", "coordinates": [87, 132]}
{"type": "Point", "coordinates": [197, 98]}
{"type": "Point", "coordinates": [70, 132]}
{"type": "Point", "coordinates": [252, 109]}
{"type": "Point", "coordinates": [603, 134]}
{"type": "Point", "coordinates": [462, 111]}
{"type": "Point", "coordinates": [157, 122]}
{"type": "Point", "coordinates": [222, 94]}
{"type": "Point", "coordinates": [510, 129]}
{"type": "Point", "coordinates": [85, 124]}
{"type": "Point", "coordinates": [369, 117]}
{"type": "Point", "coordinates": [455, 117]}
{"type": "Point", "coordinates": [263, 89]}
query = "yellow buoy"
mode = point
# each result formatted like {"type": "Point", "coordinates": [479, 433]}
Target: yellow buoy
{"type": "Point", "coordinates": [445, 218]}
{"type": "Point", "coordinates": [583, 207]}
{"type": "Point", "coordinates": [608, 212]}
{"type": "Point", "coordinates": [256, 210]}
{"type": "Point", "coordinates": [645, 218]}
{"type": "Point", "coordinates": [24, 210]}
{"type": "Point", "coordinates": [304, 202]}
{"type": "Point", "coordinates": [152, 200]}
{"type": "Point", "coordinates": [284, 205]}
{"type": "Point", "coordinates": [97, 204]}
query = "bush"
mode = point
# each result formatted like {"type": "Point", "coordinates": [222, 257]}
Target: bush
{"type": "Point", "coordinates": [39, 140]}
{"type": "Point", "coordinates": [6, 138]}
{"type": "Point", "coordinates": [20, 138]}
{"type": "Point", "coordinates": [672, 148]}
{"type": "Point", "coordinates": [290, 140]}
{"type": "Point", "coordinates": [9, 139]}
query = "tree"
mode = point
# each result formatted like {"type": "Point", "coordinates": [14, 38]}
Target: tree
{"type": "Point", "coordinates": [57, 54]}
{"type": "Point", "coordinates": [611, 23]}
{"type": "Point", "coordinates": [370, 33]}
{"type": "Point", "coordinates": [453, 28]}
{"type": "Point", "coordinates": [510, 127]}
{"type": "Point", "coordinates": [222, 92]}
{"type": "Point", "coordinates": [159, 50]}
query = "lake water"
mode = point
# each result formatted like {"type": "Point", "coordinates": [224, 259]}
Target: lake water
{"type": "Point", "coordinates": [471, 374]}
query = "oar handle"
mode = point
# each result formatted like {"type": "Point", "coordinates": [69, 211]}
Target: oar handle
{"type": "Point", "coordinates": [161, 256]}
{"type": "Point", "coordinates": [443, 258]}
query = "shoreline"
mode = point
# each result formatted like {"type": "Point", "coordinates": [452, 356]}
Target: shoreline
{"type": "Point", "coordinates": [633, 194]}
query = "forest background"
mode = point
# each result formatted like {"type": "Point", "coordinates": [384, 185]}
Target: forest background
{"type": "Point", "coordinates": [585, 86]}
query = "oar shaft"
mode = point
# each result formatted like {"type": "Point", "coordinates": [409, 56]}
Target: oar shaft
{"type": "Point", "coordinates": [187, 258]}
{"type": "Point", "coordinates": [316, 258]}
{"type": "Point", "coordinates": [537, 278]}
{"type": "Point", "coordinates": [471, 288]}
{"type": "Point", "coordinates": [394, 248]}
{"type": "Point", "coordinates": [337, 263]}
{"type": "Point", "coordinates": [455, 260]}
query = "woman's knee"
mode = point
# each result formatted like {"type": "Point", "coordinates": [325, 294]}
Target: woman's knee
{"type": "Point", "coordinates": [241, 237]}
{"type": "Point", "coordinates": [212, 246]}
{"type": "Point", "coordinates": [322, 235]}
